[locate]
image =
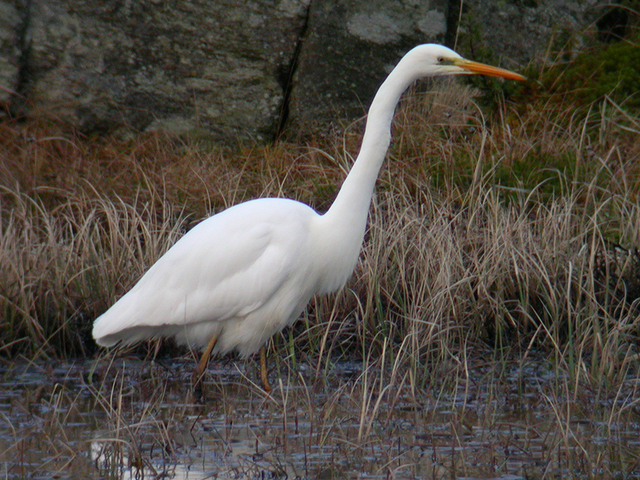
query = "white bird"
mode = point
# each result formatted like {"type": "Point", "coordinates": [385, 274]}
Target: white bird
{"type": "Point", "coordinates": [241, 276]}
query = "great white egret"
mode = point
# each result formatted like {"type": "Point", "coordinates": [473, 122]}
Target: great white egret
{"type": "Point", "coordinates": [241, 276]}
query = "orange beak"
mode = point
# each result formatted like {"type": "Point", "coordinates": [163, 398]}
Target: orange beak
{"type": "Point", "coordinates": [482, 69]}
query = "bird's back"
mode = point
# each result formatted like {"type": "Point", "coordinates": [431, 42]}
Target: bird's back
{"type": "Point", "coordinates": [241, 274]}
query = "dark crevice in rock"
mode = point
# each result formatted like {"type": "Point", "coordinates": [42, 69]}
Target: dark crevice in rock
{"type": "Point", "coordinates": [17, 106]}
{"type": "Point", "coordinates": [287, 72]}
{"type": "Point", "coordinates": [453, 19]}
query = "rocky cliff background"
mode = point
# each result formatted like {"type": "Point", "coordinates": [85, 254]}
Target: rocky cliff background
{"type": "Point", "coordinates": [237, 71]}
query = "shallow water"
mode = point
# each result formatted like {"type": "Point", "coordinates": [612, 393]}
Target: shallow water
{"type": "Point", "coordinates": [136, 419]}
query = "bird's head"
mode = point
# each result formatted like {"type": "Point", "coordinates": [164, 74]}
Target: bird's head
{"type": "Point", "coordinates": [437, 60]}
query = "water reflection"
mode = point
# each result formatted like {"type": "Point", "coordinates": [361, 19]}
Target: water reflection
{"type": "Point", "coordinates": [137, 420]}
{"type": "Point", "coordinates": [111, 462]}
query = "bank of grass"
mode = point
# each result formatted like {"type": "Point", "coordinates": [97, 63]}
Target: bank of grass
{"type": "Point", "coordinates": [511, 232]}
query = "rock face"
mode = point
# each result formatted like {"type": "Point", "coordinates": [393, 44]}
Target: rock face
{"type": "Point", "coordinates": [349, 48]}
{"type": "Point", "coordinates": [195, 67]}
{"type": "Point", "coordinates": [12, 18]}
{"type": "Point", "coordinates": [525, 30]}
{"type": "Point", "coordinates": [240, 70]}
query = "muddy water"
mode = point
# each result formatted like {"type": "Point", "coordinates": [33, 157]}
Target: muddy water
{"type": "Point", "coordinates": [137, 419]}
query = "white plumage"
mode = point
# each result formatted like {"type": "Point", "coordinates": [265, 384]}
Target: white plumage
{"type": "Point", "coordinates": [241, 275]}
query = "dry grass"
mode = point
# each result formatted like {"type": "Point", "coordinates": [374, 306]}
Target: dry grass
{"type": "Point", "coordinates": [63, 266]}
{"type": "Point", "coordinates": [502, 232]}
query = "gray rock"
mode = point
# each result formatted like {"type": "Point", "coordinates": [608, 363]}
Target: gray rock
{"type": "Point", "coordinates": [517, 32]}
{"type": "Point", "coordinates": [12, 17]}
{"type": "Point", "coordinates": [192, 67]}
{"type": "Point", "coordinates": [349, 48]}
{"type": "Point", "coordinates": [235, 70]}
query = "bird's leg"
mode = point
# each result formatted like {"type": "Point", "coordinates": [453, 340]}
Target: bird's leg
{"type": "Point", "coordinates": [204, 361]}
{"type": "Point", "coordinates": [263, 370]}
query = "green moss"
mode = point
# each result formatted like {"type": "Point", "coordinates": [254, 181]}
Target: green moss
{"type": "Point", "coordinates": [612, 70]}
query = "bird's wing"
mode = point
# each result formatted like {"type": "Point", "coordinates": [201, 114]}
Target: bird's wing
{"type": "Point", "coordinates": [225, 267]}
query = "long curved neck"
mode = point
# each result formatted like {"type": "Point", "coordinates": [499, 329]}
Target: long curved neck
{"type": "Point", "coordinates": [341, 230]}
{"type": "Point", "coordinates": [352, 203]}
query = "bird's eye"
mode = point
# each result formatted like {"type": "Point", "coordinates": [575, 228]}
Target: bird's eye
{"type": "Point", "coordinates": [440, 59]}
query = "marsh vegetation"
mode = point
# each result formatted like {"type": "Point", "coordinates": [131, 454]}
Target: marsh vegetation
{"type": "Point", "coordinates": [489, 331]}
